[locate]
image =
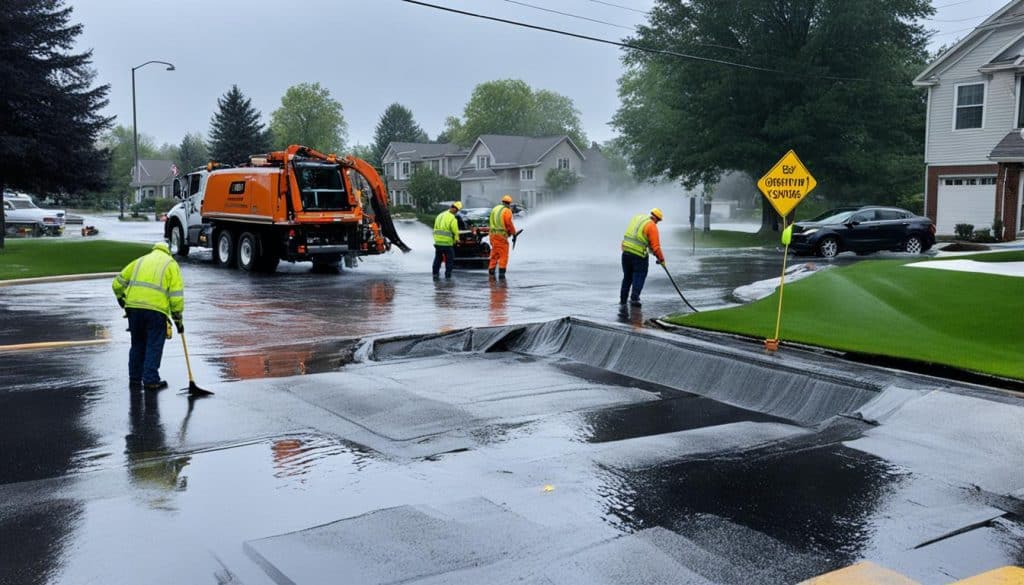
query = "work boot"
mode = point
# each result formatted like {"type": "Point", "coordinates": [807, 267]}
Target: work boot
{"type": "Point", "coordinates": [635, 303]}
{"type": "Point", "coordinates": [135, 384]}
{"type": "Point", "coordinates": [622, 300]}
{"type": "Point", "coordinates": [501, 273]}
{"type": "Point", "coordinates": [156, 385]}
{"type": "Point", "coordinates": [490, 272]}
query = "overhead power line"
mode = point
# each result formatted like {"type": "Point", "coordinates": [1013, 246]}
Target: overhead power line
{"type": "Point", "coordinates": [569, 14]}
{"type": "Point", "coordinates": [620, 6]}
{"type": "Point", "coordinates": [631, 45]}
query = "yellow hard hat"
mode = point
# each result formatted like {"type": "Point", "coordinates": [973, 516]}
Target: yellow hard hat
{"type": "Point", "coordinates": [507, 198]}
{"type": "Point", "coordinates": [457, 205]}
{"type": "Point", "coordinates": [658, 214]}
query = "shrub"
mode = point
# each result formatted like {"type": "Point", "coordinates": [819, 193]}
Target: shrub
{"type": "Point", "coordinates": [163, 205]}
{"type": "Point", "coordinates": [964, 231]}
{"type": "Point", "coordinates": [997, 229]}
{"type": "Point", "coordinates": [983, 235]}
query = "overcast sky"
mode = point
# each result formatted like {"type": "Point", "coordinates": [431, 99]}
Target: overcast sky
{"type": "Point", "coordinates": [369, 54]}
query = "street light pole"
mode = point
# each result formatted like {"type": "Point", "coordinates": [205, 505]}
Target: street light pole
{"type": "Point", "coordinates": [135, 127]}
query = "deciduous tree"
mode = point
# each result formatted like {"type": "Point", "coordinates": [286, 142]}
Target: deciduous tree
{"type": "Point", "coordinates": [828, 78]}
{"type": "Point", "coordinates": [396, 124]}
{"type": "Point", "coordinates": [311, 117]}
{"type": "Point", "coordinates": [236, 131]}
{"type": "Point", "coordinates": [511, 106]}
{"type": "Point", "coordinates": [49, 109]}
{"type": "Point", "coordinates": [427, 188]}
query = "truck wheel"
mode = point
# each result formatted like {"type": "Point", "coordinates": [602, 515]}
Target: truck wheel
{"type": "Point", "coordinates": [224, 248]}
{"type": "Point", "coordinates": [178, 244]}
{"type": "Point", "coordinates": [270, 254]}
{"type": "Point", "coordinates": [249, 257]}
{"type": "Point", "coordinates": [326, 264]}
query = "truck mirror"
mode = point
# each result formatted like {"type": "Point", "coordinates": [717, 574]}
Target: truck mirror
{"type": "Point", "coordinates": [177, 189]}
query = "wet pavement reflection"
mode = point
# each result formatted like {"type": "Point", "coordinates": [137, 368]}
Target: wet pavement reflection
{"type": "Point", "coordinates": [101, 484]}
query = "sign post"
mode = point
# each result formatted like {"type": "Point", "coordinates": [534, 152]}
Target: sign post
{"type": "Point", "coordinates": [785, 186]}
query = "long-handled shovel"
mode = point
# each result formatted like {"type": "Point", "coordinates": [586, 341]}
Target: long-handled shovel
{"type": "Point", "coordinates": [673, 281]}
{"type": "Point", "coordinates": [193, 389]}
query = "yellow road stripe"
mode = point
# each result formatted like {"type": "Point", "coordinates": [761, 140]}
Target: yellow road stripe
{"type": "Point", "coordinates": [865, 573]}
{"type": "Point", "coordinates": [52, 344]}
{"type": "Point", "coordinates": [1000, 576]}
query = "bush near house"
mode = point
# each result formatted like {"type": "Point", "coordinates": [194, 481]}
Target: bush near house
{"type": "Point", "coordinates": [964, 231]}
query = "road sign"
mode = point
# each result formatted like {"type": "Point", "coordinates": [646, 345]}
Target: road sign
{"type": "Point", "coordinates": [787, 183]}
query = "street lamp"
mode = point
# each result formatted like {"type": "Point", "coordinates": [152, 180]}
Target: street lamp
{"type": "Point", "coordinates": [135, 125]}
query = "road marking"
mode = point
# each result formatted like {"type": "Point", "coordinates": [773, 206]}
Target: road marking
{"type": "Point", "coordinates": [52, 344]}
{"type": "Point", "coordinates": [861, 574]}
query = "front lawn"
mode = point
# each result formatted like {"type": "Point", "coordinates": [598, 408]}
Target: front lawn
{"type": "Point", "coordinates": [728, 239]}
{"type": "Point", "coordinates": [962, 319]}
{"type": "Point", "coordinates": [46, 257]}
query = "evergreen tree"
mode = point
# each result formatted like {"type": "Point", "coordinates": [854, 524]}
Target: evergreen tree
{"type": "Point", "coordinates": [49, 112]}
{"type": "Point", "coordinates": [192, 153]}
{"type": "Point", "coordinates": [235, 129]}
{"type": "Point", "coordinates": [396, 124]}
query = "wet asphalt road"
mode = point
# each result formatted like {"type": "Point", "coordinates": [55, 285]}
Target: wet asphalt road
{"type": "Point", "coordinates": [101, 485]}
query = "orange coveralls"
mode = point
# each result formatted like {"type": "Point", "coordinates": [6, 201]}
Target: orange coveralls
{"type": "Point", "coordinates": [499, 243]}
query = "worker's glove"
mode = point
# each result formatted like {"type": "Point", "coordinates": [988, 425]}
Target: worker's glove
{"type": "Point", "coordinates": [120, 302]}
{"type": "Point", "coordinates": [662, 262]}
{"type": "Point", "coordinates": [179, 323]}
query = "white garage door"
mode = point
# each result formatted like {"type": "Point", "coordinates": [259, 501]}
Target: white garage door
{"type": "Point", "coordinates": [965, 200]}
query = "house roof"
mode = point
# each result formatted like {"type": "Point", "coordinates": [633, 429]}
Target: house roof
{"type": "Point", "coordinates": [422, 150]}
{"type": "Point", "coordinates": [1009, 149]}
{"type": "Point", "coordinates": [153, 172]}
{"type": "Point", "coordinates": [926, 77]}
{"type": "Point", "coordinates": [477, 174]}
{"type": "Point", "coordinates": [517, 151]}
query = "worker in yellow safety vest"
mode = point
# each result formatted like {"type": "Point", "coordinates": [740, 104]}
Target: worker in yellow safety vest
{"type": "Point", "coordinates": [151, 292]}
{"type": "Point", "coordinates": [500, 230]}
{"type": "Point", "coordinates": [446, 233]}
{"type": "Point", "coordinates": [641, 236]}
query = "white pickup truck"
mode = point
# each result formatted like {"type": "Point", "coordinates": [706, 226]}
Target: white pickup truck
{"type": "Point", "coordinates": [21, 213]}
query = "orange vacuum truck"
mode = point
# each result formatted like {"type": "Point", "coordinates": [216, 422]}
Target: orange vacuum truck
{"type": "Point", "coordinates": [294, 205]}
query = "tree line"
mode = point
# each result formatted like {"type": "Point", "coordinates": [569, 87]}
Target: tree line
{"type": "Point", "coordinates": [828, 78]}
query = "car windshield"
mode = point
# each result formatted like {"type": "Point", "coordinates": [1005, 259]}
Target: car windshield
{"type": "Point", "coordinates": [22, 204]}
{"type": "Point", "coordinates": [321, 187]}
{"type": "Point", "coordinates": [840, 217]}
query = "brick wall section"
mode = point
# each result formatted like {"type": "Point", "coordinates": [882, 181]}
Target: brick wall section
{"type": "Point", "coordinates": [931, 196]}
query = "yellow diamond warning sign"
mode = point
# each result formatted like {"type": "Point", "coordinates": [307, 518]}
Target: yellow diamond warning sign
{"type": "Point", "coordinates": [787, 183]}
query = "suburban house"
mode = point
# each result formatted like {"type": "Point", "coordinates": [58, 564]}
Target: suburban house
{"type": "Point", "coordinates": [401, 159]}
{"type": "Point", "coordinates": [516, 165]}
{"type": "Point", "coordinates": [974, 144]}
{"type": "Point", "coordinates": [157, 179]}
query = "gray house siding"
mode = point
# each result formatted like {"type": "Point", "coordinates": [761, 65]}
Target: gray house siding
{"type": "Point", "coordinates": [972, 146]}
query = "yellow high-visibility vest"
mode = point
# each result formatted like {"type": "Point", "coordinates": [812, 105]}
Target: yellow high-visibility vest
{"type": "Point", "coordinates": [446, 229]}
{"type": "Point", "coordinates": [496, 223]}
{"type": "Point", "coordinates": [152, 282]}
{"type": "Point", "coordinates": [635, 241]}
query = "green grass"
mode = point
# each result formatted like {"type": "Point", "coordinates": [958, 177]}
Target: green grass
{"type": "Point", "coordinates": [728, 239]}
{"type": "Point", "coordinates": [42, 257]}
{"type": "Point", "coordinates": [961, 319]}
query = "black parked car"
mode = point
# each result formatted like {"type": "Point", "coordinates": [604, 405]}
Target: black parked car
{"type": "Point", "coordinates": [863, 230]}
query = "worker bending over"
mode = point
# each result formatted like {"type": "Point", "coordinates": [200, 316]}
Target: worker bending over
{"type": "Point", "coordinates": [501, 227]}
{"type": "Point", "coordinates": [641, 236]}
{"type": "Point", "coordinates": [151, 291]}
{"type": "Point", "coordinates": [446, 233]}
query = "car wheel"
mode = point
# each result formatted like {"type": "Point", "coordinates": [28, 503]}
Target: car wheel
{"type": "Point", "coordinates": [177, 245]}
{"type": "Point", "coordinates": [224, 248]}
{"type": "Point", "coordinates": [828, 247]}
{"type": "Point", "coordinates": [914, 245]}
{"type": "Point", "coordinates": [248, 251]}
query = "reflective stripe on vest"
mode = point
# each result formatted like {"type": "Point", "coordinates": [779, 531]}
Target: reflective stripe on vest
{"type": "Point", "coordinates": [635, 241]}
{"type": "Point", "coordinates": [495, 222]}
{"type": "Point", "coordinates": [443, 227]}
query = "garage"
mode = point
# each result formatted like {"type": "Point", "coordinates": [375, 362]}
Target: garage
{"type": "Point", "coordinates": [965, 200]}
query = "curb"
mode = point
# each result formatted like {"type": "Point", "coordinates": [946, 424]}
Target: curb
{"type": "Point", "coordinates": [61, 278]}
